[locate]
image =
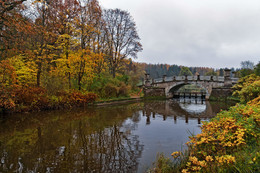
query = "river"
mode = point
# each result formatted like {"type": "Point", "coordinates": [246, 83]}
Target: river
{"type": "Point", "coordinates": [122, 138]}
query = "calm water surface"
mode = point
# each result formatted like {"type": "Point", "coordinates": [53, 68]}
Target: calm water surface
{"type": "Point", "coordinates": [123, 138]}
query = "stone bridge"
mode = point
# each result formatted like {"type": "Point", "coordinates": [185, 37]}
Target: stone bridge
{"type": "Point", "coordinates": [166, 86]}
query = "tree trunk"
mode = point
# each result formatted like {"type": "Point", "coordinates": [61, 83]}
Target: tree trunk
{"type": "Point", "coordinates": [67, 57]}
{"type": "Point", "coordinates": [69, 81]}
{"type": "Point", "coordinates": [39, 74]}
{"type": "Point", "coordinates": [114, 72]}
{"type": "Point", "coordinates": [79, 81]}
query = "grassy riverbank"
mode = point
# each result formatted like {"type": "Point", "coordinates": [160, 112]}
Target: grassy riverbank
{"type": "Point", "coordinates": [229, 98]}
{"type": "Point", "coordinates": [228, 143]}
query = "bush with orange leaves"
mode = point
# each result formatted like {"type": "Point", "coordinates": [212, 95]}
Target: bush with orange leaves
{"type": "Point", "coordinates": [7, 85]}
{"type": "Point", "coordinates": [77, 98]}
{"type": "Point", "coordinates": [30, 99]}
{"type": "Point", "coordinates": [228, 143]}
{"type": "Point", "coordinates": [6, 100]}
{"type": "Point", "coordinates": [26, 99]}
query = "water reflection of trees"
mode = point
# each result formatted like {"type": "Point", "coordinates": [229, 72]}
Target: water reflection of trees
{"type": "Point", "coordinates": [108, 150]}
{"type": "Point", "coordinates": [84, 144]}
{"type": "Point", "coordinates": [92, 140]}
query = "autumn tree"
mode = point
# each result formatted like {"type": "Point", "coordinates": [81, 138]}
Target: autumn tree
{"type": "Point", "coordinates": [185, 71]}
{"type": "Point", "coordinates": [123, 40]}
{"type": "Point", "coordinates": [211, 73]}
{"type": "Point", "coordinates": [5, 7]}
{"type": "Point", "coordinates": [257, 69]}
{"type": "Point", "coordinates": [247, 65]}
{"type": "Point", "coordinates": [41, 42]}
{"type": "Point", "coordinates": [90, 27]}
{"type": "Point", "coordinates": [15, 28]}
{"type": "Point", "coordinates": [7, 85]}
{"type": "Point", "coordinates": [65, 28]}
{"type": "Point", "coordinates": [247, 68]}
{"type": "Point", "coordinates": [98, 37]}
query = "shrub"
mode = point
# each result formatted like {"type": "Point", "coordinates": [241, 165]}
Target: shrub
{"type": "Point", "coordinates": [6, 100]}
{"type": "Point", "coordinates": [123, 90]}
{"type": "Point", "coordinates": [162, 165]}
{"type": "Point", "coordinates": [28, 95]}
{"type": "Point", "coordinates": [110, 90]}
{"type": "Point", "coordinates": [54, 84]}
{"type": "Point", "coordinates": [123, 78]}
{"type": "Point", "coordinates": [34, 98]}
{"type": "Point", "coordinates": [7, 85]}
{"type": "Point", "coordinates": [245, 72]}
{"type": "Point", "coordinates": [7, 74]}
{"type": "Point", "coordinates": [247, 88]}
{"type": "Point", "coordinates": [107, 87]}
{"type": "Point", "coordinates": [76, 98]}
{"type": "Point", "coordinates": [226, 141]}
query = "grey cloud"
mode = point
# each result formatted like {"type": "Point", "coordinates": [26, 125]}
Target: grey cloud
{"type": "Point", "coordinates": [215, 33]}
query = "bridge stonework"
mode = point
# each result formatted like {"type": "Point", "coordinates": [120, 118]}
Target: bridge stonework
{"type": "Point", "coordinates": [166, 86]}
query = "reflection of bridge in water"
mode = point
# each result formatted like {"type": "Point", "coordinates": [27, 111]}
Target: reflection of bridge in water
{"type": "Point", "coordinates": [186, 108]}
{"type": "Point", "coordinates": [190, 95]}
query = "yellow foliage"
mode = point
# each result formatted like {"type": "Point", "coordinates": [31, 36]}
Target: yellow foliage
{"type": "Point", "coordinates": [223, 136]}
{"type": "Point", "coordinates": [225, 159]}
{"type": "Point", "coordinates": [25, 70]}
{"type": "Point", "coordinates": [176, 154]}
{"type": "Point", "coordinates": [247, 88]}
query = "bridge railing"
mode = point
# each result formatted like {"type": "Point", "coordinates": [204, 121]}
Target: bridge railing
{"type": "Point", "coordinates": [158, 80]}
{"type": "Point", "coordinates": [185, 78]}
{"type": "Point", "coordinates": [192, 78]}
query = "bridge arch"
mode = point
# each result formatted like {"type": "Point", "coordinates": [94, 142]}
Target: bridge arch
{"type": "Point", "coordinates": [164, 86]}
{"type": "Point", "coordinates": [177, 85]}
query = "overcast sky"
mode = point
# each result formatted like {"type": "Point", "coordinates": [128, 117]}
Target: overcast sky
{"type": "Point", "coordinates": [212, 33]}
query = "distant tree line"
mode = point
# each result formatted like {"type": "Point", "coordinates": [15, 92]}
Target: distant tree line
{"type": "Point", "coordinates": [158, 70]}
{"type": "Point", "coordinates": [248, 67]}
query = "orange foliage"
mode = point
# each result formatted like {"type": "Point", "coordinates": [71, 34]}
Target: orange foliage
{"type": "Point", "coordinates": [29, 95]}
{"type": "Point", "coordinates": [7, 74]}
{"type": "Point", "coordinates": [7, 84]}
{"type": "Point", "coordinates": [76, 98]}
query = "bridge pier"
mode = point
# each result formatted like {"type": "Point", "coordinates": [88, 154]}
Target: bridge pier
{"type": "Point", "coordinates": [227, 78]}
{"type": "Point", "coordinates": [223, 92]}
{"type": "Point", "coordinates": [164, 78]}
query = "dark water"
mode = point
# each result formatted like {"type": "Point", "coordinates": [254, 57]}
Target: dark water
{"type": "Point", "coordinates": [123, 138]}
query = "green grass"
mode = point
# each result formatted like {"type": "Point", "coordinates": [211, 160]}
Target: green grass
{"type": "Point", "coordinates": [112, 99]}
{"type": "Point", "coordinates": [229, 98]}
{"type": "Point", "coordinates": [164, 164]}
